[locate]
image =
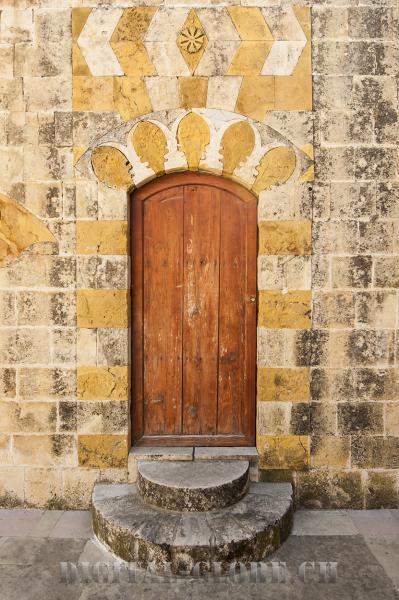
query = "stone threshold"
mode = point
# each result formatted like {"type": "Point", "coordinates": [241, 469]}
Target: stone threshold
{"type": "Point", "coordinates": [175, 453]}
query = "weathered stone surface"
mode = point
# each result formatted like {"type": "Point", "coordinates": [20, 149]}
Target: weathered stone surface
{"type": "Point", "coordinates": [249, 530]}
{"type": "Point", "coordinates": [197, 486]}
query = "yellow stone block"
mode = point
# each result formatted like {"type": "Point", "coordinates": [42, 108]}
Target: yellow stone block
{"type": "Point", "coordinates": [19, 229]}
{"type": "Point", "coordinates": [131, 97]}
{"type": "Point", "coordinates": [276, 167]}
{"type": "Point", "coordinates": [283, 385]}
{"type": "Point", "coordinates": [103, 383]}
{"type": "Point", "coordinates": [92, 93]}
{"type": "Point", "coordinates": [133, 23]}
{"type": "Point", "coordinates": [193, 91]}
{"type": "Point", "coordinates": [79, 18]}
{"type": "Point", "coordinates": [250, 58]}
{"type": "Point", "coordinates": [102, 308]}
{"type": "Point", "coordinates": [149, 141]}
{"type": "Point", "coordinates": [133, 58]}
{"type": "Point", "coordinates": [302, 13]}
{"type": "Point", "coordinates": [101, 237]}
{"type": "Point", "coordinates": [294, 92]}
{"type": "Point", "coordinates": [291, 310]}
{"type": "Point", "coordinates": [79, 65]}
{"type": "Point", "coordinates": [78, 152]}
{"type": "Point", "coordinates": [250, 23]}
{"type": "Point", "coordinates": [256, 96]}
{"type": "Point", "coordinates": [112, 167]}
{"type": "Point", "coordinates": [285, 237]}
{"type": "Point", "coordinates": [238, 141]}
{"type": "Point", "coordinates": [283, 452]}
{"type": "Point", "coordinates": [309, 174]}
{"type": "Point", "coordinates": [193, 135]}
{"type": "Point", "coordinates": [102, 451]}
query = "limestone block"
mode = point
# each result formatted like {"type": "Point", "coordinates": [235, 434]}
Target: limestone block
{"type": "Point", "coordinates": [47, 383]}
{"type": "Point", "coordinates": [392, 419]}
{"type": "Point", "coordinates": [112, 167]}
{"type": "Point", "coordinates": [24, 346]}
{"type": "Point", "coordinates": [45, 450]}
{"type": "Point", "coordinates": [7, 383]}
{"type": "Point", "coordinates": [273, 418]}
{"type": "Point", "coordinates": [375, 452]}
{"type": "Point", "coordinates": [112, 203]}
{"type": "Point", "coordinates": [29, 417]}
{"type": "Point", "coordinates": [376, 310]}
{"type": "Point", "coordinates": [271, 347]}
{"type": "Point", "coordinates": [280, 272]}
{"type": "Point", "coordinates": [381, 490]}
{"type": "Point", "coordinates": [48, 93]}
{"type": "Point", "coordinates": [43, 487]}
{"type": "Point", "coordinates": [102, 451]}
{"type": "Point", "coordinates": [11, 486]}
{"type": "Point", "coordinates": [330, 452]}
{"type": "Point", "coordinates": [386, 272]}
{"type": "Point", "coordinates": [16, 25]}
{"type": "Point", "coordinates": [163, 92]}
{"type": "Point", "coordinates": [78, 486]}
{"type": "Point", "coordinates": [223, 92]}
{"type": "Point", "coordinates": [103, 272]}
{"type": "Point", "coordinates": [113, 347]}
{"type": "Point", "coordinates": [93, 93]}
{"type": "Point", "coordinates": [102, 308]}
{"type": "Point", "coordinates": [5, 451]}
{"type": "Point", "coordinates": [103, 383]}
{"type": "Point", "coordinates": [131, 97]}
{"type": "Point", "coordinates": [64, 345]}
{"type": "Point", "coordinates": [352, 272]}
{"type": "Point", "coordinates": [11, 94]}
{"type": "Point", "coordinates": [46, 308]}
{"type": "Point", "coordinates": [86, 348]}
{"type": "Point", "coordinates": [103, 417]}
{"type": "Point", "coordinates": [333, 310]}
{"type": "Point", "coordinates": [6, 61]}
{"type": "Point", "coordinates": [360, 417]}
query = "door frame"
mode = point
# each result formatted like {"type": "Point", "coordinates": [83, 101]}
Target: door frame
{"type": "Point", "coordinates": [137, 413]}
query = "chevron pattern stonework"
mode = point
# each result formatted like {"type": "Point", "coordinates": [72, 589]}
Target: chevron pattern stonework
{"type": "Point", "coordinates": [137, 60]}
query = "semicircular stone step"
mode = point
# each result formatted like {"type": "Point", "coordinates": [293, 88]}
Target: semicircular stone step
{"type": "Point", "coordinates": [192, 486]}
{"type": "Point", "coordinates": [146, 535]}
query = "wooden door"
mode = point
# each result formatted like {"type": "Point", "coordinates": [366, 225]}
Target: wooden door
{"type": "Point", "coordinates": [194, 248]}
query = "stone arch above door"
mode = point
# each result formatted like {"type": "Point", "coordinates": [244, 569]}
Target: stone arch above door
{"type": "Point", "coordinates": [212, 141]}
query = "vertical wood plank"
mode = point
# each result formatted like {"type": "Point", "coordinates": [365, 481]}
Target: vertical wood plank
{"type": "Point", "coordinates": [201, 300]}
{"type": "Point", "coordinates": [232, 314]}
{"type": "Point", "coordinates": [163, 296]}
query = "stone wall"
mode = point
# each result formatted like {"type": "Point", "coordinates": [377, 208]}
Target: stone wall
{"type": "Point", "coordinates": [82, 84]}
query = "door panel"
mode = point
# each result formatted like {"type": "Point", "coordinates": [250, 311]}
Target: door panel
{"type": "Point", "coordinates": [194, 246]}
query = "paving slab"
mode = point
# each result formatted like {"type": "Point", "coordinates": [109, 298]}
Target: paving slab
{"type": "Point", "coordinates": [46, 523]}
{"type": "Point", "coordinates": [73, 524]}
{"type": "Point", "coordinates": [19, 551]}
{"type": "Point", "coordinates": [372, 523]}
{"type": "Point", "coordinates": [386, 551]}
{"type": "Point", "coordinates": [19, 522]}
{"type": "Point", "coordinates": [323, 522]}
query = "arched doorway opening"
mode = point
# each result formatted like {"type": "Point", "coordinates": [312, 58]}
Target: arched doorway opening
{"type": "Point", "coordinates": [194, 249]}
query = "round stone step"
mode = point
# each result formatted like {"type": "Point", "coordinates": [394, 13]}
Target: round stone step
{"type": "Point", "coordinates": [149, 536]}
{"type": "Point", "coordinates": [192, 486]}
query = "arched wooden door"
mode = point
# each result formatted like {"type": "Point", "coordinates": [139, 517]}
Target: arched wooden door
{"type": "Point", "coordinates": [194, 249]}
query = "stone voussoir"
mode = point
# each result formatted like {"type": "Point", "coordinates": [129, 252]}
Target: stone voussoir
{"type": "Point", "coordinates": [138, 532]}
{"type": "Point", "coordinates": [195, 486]}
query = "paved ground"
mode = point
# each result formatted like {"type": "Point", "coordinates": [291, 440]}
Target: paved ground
{"type": "Point", "coordinates": [365, 544]}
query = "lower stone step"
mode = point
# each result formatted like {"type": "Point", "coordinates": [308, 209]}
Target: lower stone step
{"type": "Point", "coordinates": [192, 486]}
{"type": "Point", "coordinates": [138, 532]}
